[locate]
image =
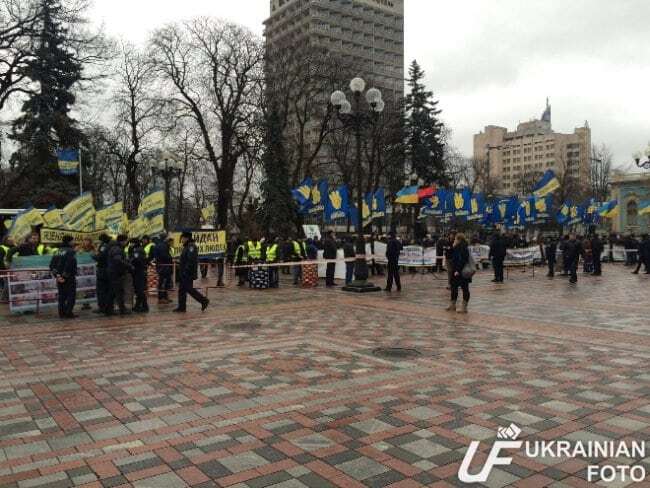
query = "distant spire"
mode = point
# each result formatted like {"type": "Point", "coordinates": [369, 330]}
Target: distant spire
{"type": "Point", "coordinates": [546, 116]}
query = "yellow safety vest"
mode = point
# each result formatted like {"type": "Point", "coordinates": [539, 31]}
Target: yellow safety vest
{"type": "Point", "coordinates": [299, 248]}
{"type": "Point", "coordinates": [254, 250]}
{"type": "Point", "coordinates": [272, 253]}
{"type": "Point", "coordinates": [6, 249]}
{"type": "Point", "coordinates": [148, 248]}
{"type": "Point", "coordinates": [41, 249]}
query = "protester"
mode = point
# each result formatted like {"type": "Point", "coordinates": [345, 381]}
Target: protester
{"type": "Point", "coordinates": [348, 253]}
{"type": "Point", "coordinates": [188, 271]}
{"type": "Point", "coordinates": [393, 251]}
{"type": "Point", "coordinates": [459, 259]}
{"type": "Point", "coordinates": [550, 250]}
{"type": "Point", "coordinates": [573, 251]}
{"type": "Point", "coordinates": [330, 252]}
{"type": "Point", "coordinates": [644, 255]}
{"type": "Point", "coordinates": [498, 256]}
{"type": "Point", "coordinates": [63, 267]}
{"type": "Point", "coordinates": [597, 249]}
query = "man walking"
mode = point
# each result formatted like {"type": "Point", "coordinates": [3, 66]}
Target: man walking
{"type": "Point", "coordinates": [64, 269]}
{"type": "Point", "coordinates": [597, 249]}
{"type": "Point", "coordinates": [393, 250]}
{"type": "Point", "coordinates": [573, 250]}
{"type": "Point", "coordinates": [644, 255]}
{"type": "Point", "coordinates": [188, 266]}
{"type": "Point", "coordinates": [498, 256]}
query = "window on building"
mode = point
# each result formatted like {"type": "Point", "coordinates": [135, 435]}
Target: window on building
{"type": "Point", "coordinates": [632, 213]}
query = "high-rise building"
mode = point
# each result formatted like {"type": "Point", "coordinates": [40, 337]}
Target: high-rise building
{"type": "Point", "coordinates": [367, 35]}
{"type": "Point", "coordinates": [516, 158]}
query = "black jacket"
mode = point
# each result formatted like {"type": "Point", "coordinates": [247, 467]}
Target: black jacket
{"type": "Point", "coordinates": [329, 249]}
{"type": "Point", "coordinates": [597, 246]}
{"type": "Point", "coordinates": [64, 263]}
{"type": "Point", "coordinates": [551, 251]}
{"type": "Point", "coordinates": [459, 258]}
{"type": "Point", "coordinates": [393, 249]}
{"type": "Point", "coordinates": [189, 261]}
{"type": "Point", "coordinates": [139, 261]}
{"type": "Point", "coordinates": [118, 266]}
{"type": "Point", "coordinates": [101, 256]}
{"type": "Point", "coordinates": [348, 250]}
{"type": "Point", "coordinates": [573, 250]}
{"type": "Point", "coordinates": [498, 249]}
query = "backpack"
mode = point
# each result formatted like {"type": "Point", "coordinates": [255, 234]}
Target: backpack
{"type": "Point", "coordinates": [470, 268]}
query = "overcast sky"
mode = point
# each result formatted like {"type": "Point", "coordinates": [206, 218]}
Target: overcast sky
{"type": "Point", "coordinates": [489, 61]}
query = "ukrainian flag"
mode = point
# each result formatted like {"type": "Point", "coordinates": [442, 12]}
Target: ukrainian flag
{"type": "Point", "coordinates": [548, 184]}
{"type": "Point", "coordinates": [644, 207]}
{"type": "Point", "coordinates": [302, 194]}
{"type": "Point", "coordinates": [68, 161]}
{"type": "Point", "coordinates": [610, 209]}
{"type": "Point", "coordinates": [408, 195]}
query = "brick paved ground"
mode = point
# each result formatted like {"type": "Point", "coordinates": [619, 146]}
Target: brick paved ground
{"type": "Point", "coordinates": [281, 388]}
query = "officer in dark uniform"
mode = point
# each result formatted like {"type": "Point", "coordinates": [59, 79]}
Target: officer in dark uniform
{"type": "Point", "coordinates": [103, 283]}
{"type": "Point", "coordinates": [118, 266]}
{"type": "Point", "coordinates": [139, 264]}
{"type": "Point", "coordinates": [188, 265]}
{"type": "Point", "coordinates": [162, 254]}
{"type": "Point", "coordinates": [64, 269]}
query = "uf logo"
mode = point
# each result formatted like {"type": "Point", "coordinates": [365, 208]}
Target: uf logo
{"type": "Point", "coordinates": [493, 459]}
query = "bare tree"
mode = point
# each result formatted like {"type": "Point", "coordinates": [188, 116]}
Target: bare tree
{"type": "Point", "coordinates": [214, 75]}
{"type": "Point", "coordinates": [600, 172]}
{"type": "Point", "coordinates": [138, 115]}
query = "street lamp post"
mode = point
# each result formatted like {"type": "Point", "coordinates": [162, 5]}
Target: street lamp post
{"type": "Point", "coordinates": [357, 120]}
{"type": "Point", "coordinates": [168, 169]}
{"type": "Point", "coordinates": [644, 164]}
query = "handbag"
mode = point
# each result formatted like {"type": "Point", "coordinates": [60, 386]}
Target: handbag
{"type": "Point", "coordinates": [470, 268]}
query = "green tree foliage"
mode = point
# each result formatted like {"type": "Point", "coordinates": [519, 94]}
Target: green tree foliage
{"type": "Point", "coordinates": [423, 130]}
{"type": "Point", "coordinates": [45, 123]}
{"type": "Point", "coordinates": [278, 210]}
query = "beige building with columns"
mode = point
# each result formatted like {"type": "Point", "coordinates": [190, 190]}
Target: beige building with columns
{"type": "Point", "coordinates": [517, 158]}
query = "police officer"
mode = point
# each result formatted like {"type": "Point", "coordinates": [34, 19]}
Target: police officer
{"type": "Point", "coordinates": [63, 267]}
{"type": "Point", "coordinates": [162, 254]}
{"type": "Point", "coordinates": [188, 265]}
{"type": "Point", "coordinates": [139, 263]}
{"type": "Point", "coordinates": [148, 247]}
{"type": "Point", "coordinates": [118, 266]}
{"type": "Point", "coordinates": [272, 256]}
{"type": "Point", "coordinates": [103, 282]}
{"type": "Point", "coordinates": [240, 259]}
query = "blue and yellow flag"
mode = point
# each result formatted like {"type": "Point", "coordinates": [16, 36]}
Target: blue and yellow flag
{"type": "Point", "coordinates": [477, 207]}
{"type": "Point", "coordinates": [527, 211]}
{"type": "Point", "coordinates": [302, 194]}
{"type": "Point", "coordinates": [543, 208]}
{"type": "Point", "coordinates": [548, 184]}
{"type": "Point", "coordinates": [462, 202]}
{"type": "Point", "coordinates": [644, 207]}
{"type": "Point", "coordinates": [609, 209]}
{"type": "Point", "coordinates": [379, 204]}
{"type": "Point", "coordinates": [408, 196]}
{"type": "Point", "coordinates": [68, 161]}
{"type": "Point", "coordinates": [564, 213]}
{"type": "Point", "coordinates": [337, 205]}
{"type": "Point", "coordinates": [318, 196]}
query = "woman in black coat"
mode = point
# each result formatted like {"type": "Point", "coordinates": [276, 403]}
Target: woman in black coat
{"type": "Point", "coordinates": [459, 259]}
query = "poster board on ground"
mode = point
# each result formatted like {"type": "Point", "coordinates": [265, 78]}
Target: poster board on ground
{"type": "Point", "coordinates": [32, 287]}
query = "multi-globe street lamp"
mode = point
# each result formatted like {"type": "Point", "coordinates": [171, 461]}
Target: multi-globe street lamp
{"type": "Point", "coordinates": [355, 117]}
{"type": "Point", "coordinates": [643, 164]}
{"type": "Point", "coordinates": [168, 169]}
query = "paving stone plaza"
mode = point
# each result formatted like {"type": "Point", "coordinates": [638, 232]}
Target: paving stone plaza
{"type": "Point", "coordinates": [286, 389]}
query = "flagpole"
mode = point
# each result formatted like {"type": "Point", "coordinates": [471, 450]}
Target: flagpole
{"type": "Point", "coordinates": [81, 184]}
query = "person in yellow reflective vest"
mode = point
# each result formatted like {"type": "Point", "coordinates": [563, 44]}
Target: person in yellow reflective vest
{"type": "Point", "coordinates": [240, 259]}
{"type": "Point", "coordinates": [254, 250]}
{"type": "Point", "coordinates": [272, 257]}
{"type": "Point", "coordinates": [299, 253]}
{"type": "Point", "coordinates": [148, 247]}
